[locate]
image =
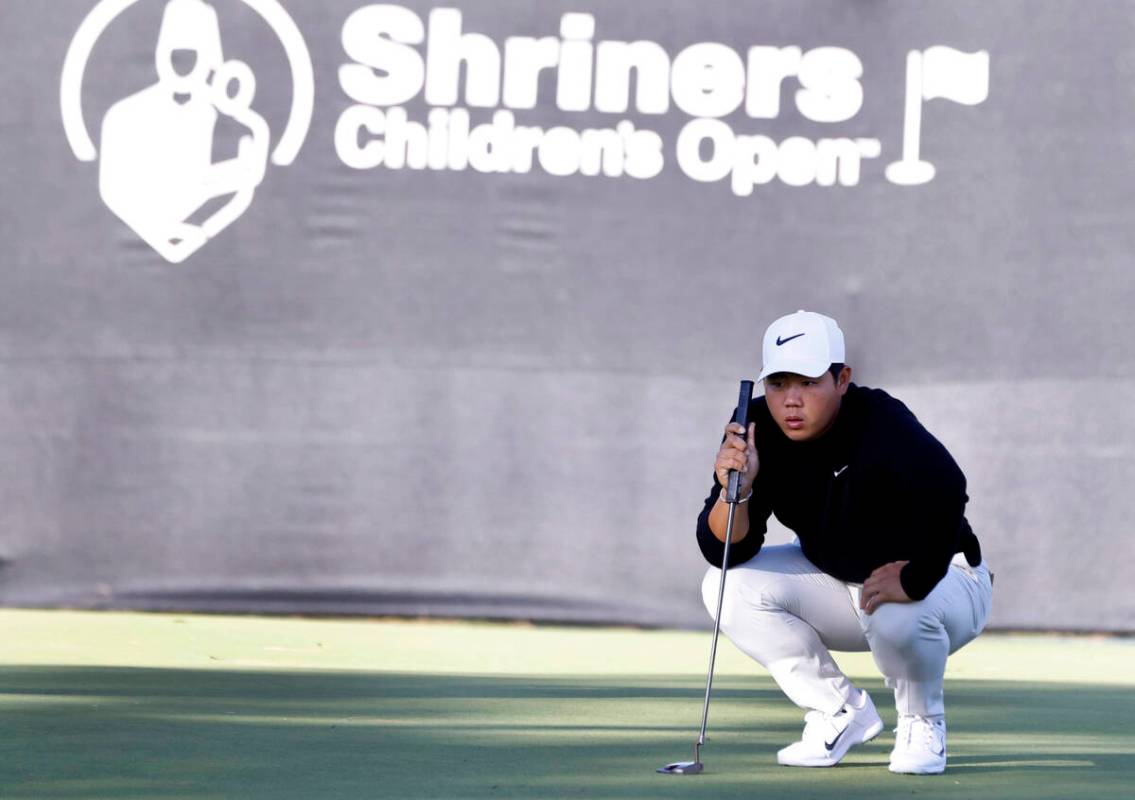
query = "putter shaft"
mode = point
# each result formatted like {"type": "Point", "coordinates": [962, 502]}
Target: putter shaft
{"type": "Point", "coordinates": [732, 498]}
{"type": "Point", "coordinates": [695, 767]}
{"type": "Point", "coordinates": [716, 621]}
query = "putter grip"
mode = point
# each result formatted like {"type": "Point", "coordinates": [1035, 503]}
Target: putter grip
{"type": "Point", "coordinates": [741, 416]}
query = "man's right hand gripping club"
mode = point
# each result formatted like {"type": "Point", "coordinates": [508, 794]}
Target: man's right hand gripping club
{"type": "Point", "coordinates": [735, 453]}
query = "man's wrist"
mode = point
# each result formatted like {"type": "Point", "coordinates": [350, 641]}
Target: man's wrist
{"type": "Point", "coordinates": [722, 496]}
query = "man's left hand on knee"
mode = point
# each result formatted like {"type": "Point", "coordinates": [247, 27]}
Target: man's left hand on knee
{"type": "Point", "coordinates": [883, 586]}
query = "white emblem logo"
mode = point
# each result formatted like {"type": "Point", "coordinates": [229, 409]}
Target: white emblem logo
{"type": "Point", "coordinates": [156, 169]}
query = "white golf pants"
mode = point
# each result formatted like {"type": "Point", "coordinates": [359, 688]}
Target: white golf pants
{"type": "Point", "coordinates": [781, 610]}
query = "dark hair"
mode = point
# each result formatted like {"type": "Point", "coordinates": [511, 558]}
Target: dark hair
{"type": "Point", "coordinates": [835, 370]}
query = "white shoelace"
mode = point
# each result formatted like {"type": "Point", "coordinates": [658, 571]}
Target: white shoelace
{"type": "Point", "coordinates": [921, 733]}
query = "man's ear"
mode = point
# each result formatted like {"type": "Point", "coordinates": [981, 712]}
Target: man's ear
{"type": "Point", "coordinates": [844, 379]}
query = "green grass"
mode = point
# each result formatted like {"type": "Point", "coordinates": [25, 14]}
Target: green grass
{"type": "Point", "coordinates": [162, 706]}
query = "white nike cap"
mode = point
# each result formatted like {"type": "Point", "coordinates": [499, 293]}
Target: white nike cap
{"type": "Point", "coordinates": [804, 343]}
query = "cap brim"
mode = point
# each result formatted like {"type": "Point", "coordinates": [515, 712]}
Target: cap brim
{"type": "Point", "coordinates": [809, 369]}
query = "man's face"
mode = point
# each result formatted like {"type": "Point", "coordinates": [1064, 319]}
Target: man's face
{"type": "Point", "coordinates": [804, 407]}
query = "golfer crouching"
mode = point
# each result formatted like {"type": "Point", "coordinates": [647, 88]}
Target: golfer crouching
{"type": "Point", "coordinates": [884, 561]}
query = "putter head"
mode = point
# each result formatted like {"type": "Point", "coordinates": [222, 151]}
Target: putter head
{"type": "Point", "coordinates": [682, 768]}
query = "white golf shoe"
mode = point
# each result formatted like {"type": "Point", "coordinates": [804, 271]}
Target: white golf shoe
{"type": "Point", "coordinates": [828, 737]}
{"type": "Point", "coordinates": [920, 746]}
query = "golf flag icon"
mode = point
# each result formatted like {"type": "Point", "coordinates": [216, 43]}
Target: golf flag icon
{"type": "Point", "coordinates": [954, 75]}
{"type": "Point", "coordinates": [938, 72]}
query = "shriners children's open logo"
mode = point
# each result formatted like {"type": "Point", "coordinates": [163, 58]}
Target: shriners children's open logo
{"type": "Point", "coordinates": [155, 153]}
{"type": "Point", "coordinates": [156, 168]}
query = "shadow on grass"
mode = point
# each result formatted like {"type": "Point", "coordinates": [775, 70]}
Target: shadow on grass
{"type": "Point", "coordinates": [133, 733]}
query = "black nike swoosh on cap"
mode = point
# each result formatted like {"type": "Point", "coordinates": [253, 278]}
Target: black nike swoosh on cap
{"type": "Point", "coordinates": [780, 341]}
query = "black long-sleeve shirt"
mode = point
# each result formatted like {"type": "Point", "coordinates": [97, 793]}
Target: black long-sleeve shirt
{"type": "Point", "coordinates": [875, 488]}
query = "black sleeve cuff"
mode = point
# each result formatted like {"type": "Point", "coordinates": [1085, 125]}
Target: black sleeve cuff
{"type": "Point", "coordinates": [919, 577]}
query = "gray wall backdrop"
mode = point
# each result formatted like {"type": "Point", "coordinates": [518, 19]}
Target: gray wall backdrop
{"type": "Point", "coordinates": [457, 393]}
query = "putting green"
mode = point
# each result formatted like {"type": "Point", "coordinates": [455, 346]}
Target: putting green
{"type": "Point", "coordinates": [175, 706]}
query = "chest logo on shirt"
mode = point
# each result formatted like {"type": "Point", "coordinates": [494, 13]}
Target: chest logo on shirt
{"type": "Point", "coordinates": [836, 474]}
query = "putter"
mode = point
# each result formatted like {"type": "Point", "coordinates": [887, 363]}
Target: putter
{"type": "Point", "coordinates": [731, 497]}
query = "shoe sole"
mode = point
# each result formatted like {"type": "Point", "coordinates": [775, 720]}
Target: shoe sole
{"type": "Point", "coordinates": [868, 734]}
{"type": "Point", "coordinates": [917, 770]}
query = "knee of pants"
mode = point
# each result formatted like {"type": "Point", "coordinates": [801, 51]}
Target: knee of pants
{"type": "Point", "coordinates": [900, 626]}
{"type": "Point", "coordinates": [709, 589]}
{"type": "Point", "coordinates": [740, 602]}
